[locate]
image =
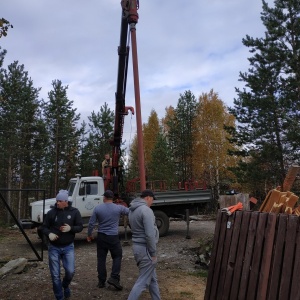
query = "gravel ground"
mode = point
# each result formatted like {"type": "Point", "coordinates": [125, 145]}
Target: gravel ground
{"type": "Point", "coordinates": [176, 269]}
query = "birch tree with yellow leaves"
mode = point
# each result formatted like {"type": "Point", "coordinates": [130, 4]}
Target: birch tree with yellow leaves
{"type": "Point", "coordinates": [158, 158]}
{"type": "Point", "coordinates": [211, 160]}
{"type": "Point", "coordinates": [151, 130]}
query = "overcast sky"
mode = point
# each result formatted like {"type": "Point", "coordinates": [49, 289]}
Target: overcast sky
{"type": "Point", "coordinates": [182, 45]}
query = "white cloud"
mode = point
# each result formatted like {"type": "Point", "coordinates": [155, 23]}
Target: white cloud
{"type": "Point", "coordinates": [189, 45]}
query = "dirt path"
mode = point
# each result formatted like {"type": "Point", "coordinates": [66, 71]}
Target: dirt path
{"type": "Point", "coordinates": [176, 266]}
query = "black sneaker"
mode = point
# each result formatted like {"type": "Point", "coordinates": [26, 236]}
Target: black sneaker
{"type": "Point", "coordinates": [101, 284]}
{"type": "Point", "coordinates": [67, 293]}
{"type": "Point", "coordinates": [114, 282]}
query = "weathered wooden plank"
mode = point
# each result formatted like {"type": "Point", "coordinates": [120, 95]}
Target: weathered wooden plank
{"type": "Point", "coordinates": [223, 269]}
{"type": "Point", "coordinates": [290, 178]}
{"type": "Point", "coordinates": [232, 254]}
{"type": "Point", "coordinates": [295, 290]}
{"type": "Point", "coordinates": [257, 256]}
{"type": "Point", "coordinates": [274, 198]}
{"type": "Point", "coordinates": [248, 256]}
{"type": "Point", "coordinates": [238, 266]}
{"type": "Point", "coordinates": [219, 257]}
{"type": "Point", "coordinates": [263, 205]}
{"type": "Point", "coordinates": [213, 256]}
{"type": "Point", "coordinates": [267, 257]}
{"type": "Point", "coordinates": [276, 268]}
{"type": "Point", "coordinates": [289, 252]}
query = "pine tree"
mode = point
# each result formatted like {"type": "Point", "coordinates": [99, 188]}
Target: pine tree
{"type": "Point", "coordinates": [267, 109]}
{"type": "Point", "coordinates": [2, 56]}
{"type": "Point", "coordinates": [2, 129]}
{"type": "Point", "coordinates": [62, 152]}
{"type": "Point", "coordinates": [4, 26]}
{"type": "Point", "coordinates": [133, 162]}
{"type": "Point", "coordinates": [161, 164]}
{"type": "Point", "coordinates": [180, 135]}
{"type": "Point", "coordinates": [19, 112]}
{"type": "Point", "coordinates": [97, 143]}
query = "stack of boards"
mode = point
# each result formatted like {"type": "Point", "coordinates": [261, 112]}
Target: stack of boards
{"type": "Point", "coordinates": [282, 200]}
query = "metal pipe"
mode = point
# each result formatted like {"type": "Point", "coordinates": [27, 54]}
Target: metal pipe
{"type": "Point", "coordinates": [141, 158]}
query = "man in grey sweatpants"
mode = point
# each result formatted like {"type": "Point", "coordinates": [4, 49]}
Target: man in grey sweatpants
{"type": "Point", "coordinates": [144, 239]}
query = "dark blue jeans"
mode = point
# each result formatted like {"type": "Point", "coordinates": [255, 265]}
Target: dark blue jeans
{"type": "Point", "coordinates": [64, 254]}
{"type": "Point", "coordinates": [112, 244]}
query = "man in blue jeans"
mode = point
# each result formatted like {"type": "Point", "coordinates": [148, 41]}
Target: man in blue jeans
{"type": "Point", "coordinates": [145, 236]}
{"type": "Point", "coordinates": [107, 215]}
{"type": "Point", "coordinates": [60, 225]}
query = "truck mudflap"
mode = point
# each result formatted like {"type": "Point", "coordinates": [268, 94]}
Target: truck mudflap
{"type": "Point", "coordinates": [27, 224]}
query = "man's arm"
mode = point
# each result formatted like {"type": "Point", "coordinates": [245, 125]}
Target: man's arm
{"type": "Point", "coordinates": [78, 226]}
{"type": "Point", "coordinates": [92, 222]}
{"type": "Point", "coordinates": [150, 232]}
{"type": "Point", "coordinates": [125, 210]}
{"type": "Point", "coordinates": [46, 225]}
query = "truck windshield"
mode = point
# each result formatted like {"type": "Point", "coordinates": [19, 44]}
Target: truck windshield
{"type": "Point", "coordinates": [71, 187]}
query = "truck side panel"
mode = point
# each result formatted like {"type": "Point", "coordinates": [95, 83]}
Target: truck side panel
{"type": "Point", "coordinates": [182, 197]}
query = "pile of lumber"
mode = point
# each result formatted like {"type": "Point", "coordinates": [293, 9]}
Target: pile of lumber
{"type": "Point", "coordinates": [280, 202]}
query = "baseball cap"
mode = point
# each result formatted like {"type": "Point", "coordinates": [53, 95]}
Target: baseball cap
{"type": "Point", "coordinates": [146, 193]}
{"type": "Point", "coordinates": [108, 194]}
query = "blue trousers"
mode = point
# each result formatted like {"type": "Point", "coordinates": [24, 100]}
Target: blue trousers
{"type": "Point", "coordinates": [147, 274]}
{"type": "Point", "coordinates": [64, 254]}
{"type": "Point", "coordinates": [112, 244]}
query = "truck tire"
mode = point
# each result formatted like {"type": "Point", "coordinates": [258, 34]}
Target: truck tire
{"type": "Point", "coordinates": [162, 222]}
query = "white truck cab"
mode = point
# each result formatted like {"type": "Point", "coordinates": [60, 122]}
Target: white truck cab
{"type": "Point", "coordinates": [84, 192]}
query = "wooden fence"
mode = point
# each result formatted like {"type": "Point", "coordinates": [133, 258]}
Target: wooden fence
{"type": "Point", "coordinates": [255, 256]}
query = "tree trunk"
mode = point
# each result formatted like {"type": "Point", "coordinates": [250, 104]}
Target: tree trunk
{"type": "Point", "coordinates": [9, 176]}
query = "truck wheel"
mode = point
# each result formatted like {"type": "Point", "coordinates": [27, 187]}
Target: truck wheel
{"type": "Point", "coordinates": [162, 222]}
{"type": "Point", "coordinates": [43, 237]}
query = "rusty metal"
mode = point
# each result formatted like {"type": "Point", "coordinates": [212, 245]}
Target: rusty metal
{"type": "Point", "coordinates": [128, 21]}
{"type": "Point", "coordinates": [138, 107]}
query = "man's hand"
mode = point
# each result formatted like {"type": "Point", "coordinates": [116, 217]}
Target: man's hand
{"type": "Point", "coordinates": [89, 239]}
{"type": "Point", "coordinates": [65, 228]}
{"type": "Point", "coordinates": [53, 236]}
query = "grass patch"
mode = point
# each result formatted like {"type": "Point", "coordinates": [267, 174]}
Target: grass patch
{"type": "Point", "coordinates": [200, 273]}
{"type": "Point", "coordinates": [186, 294]}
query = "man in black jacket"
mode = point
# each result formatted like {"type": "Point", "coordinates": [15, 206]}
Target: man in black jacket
{"type": "Point", "coordinates": [60, 225]}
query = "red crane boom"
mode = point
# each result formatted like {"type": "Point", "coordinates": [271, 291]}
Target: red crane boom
{"type": "Point", "coordinates": [129, 19]}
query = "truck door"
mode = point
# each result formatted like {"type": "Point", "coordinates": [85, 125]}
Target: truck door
{"type": "Point", "coordinates": [88, 197]}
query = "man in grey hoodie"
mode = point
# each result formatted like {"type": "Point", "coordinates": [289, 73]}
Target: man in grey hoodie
{"type": "Point", "coordinates": [144, 239]}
